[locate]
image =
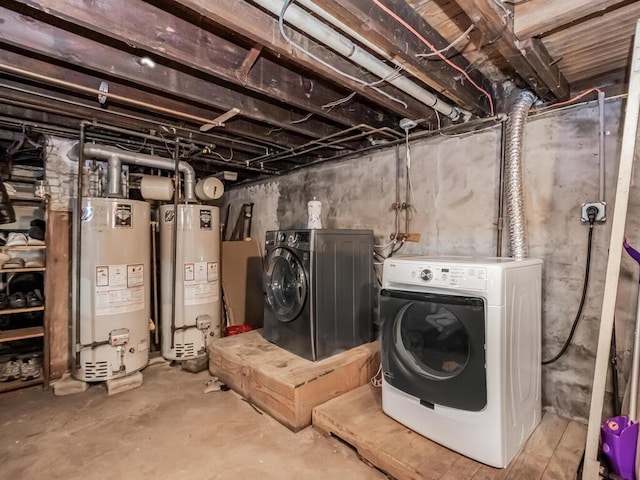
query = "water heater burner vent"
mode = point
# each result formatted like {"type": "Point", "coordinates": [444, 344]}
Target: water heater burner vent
{"type": "Point", "coordinates": [96, 371]}
{"type": "Point", "coordinates": [185, 350]}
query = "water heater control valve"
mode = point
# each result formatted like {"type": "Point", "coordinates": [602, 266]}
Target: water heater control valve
{"type": "Point", "coordinates": [203, 322]}
{"type": "Point", "coordinates": [119, 337]}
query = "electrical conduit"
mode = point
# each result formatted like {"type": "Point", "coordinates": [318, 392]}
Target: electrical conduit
{"type": "Point", "coordinates": [515, 197]}
{"type": "Point", "coordinates": [345, 47]}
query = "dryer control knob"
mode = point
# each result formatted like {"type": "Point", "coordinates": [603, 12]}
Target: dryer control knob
{"type": "Point", "coordinates": [426, 275]}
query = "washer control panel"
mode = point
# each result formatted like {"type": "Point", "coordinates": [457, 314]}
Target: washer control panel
{"type": "Point", "coordinates": [468, 277]}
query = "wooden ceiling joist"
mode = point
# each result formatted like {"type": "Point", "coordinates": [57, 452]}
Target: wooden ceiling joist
{"type": "Point", "coordinates": [61, 45]}
{"type": "Point", "coordinates": [529, 59]}
{"type": "Point", "coordinates": [399, 43]}
{"type": "Point", "coordinates": [166, 36]}
{"type": "Point", "coordinates": [260, 27]}
{"type": "Point", "coordinates": [535, 17]}
{"type": "Point", "coordinates": [239, 126]}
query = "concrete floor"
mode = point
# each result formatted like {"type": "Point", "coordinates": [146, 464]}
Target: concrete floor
{"type": "Point", "coordinates": [167, 429]}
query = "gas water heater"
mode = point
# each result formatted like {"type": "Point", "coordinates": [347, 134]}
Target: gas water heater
{"type": "Point", "coordinates": [113, 336]}
{"type": "Point", "coordinates": [195, 314]}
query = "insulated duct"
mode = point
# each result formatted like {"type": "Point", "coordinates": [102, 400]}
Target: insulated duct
{"type": "Point", "coordinates": [345, 47]}
{"type": "Point", "coordinates": [115, 157]}
{"type": "Point", "coordinates": [515, 197]}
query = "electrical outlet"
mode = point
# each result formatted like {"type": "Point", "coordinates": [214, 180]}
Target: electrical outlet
{"type": "Point", "coordinates": [601, 216]}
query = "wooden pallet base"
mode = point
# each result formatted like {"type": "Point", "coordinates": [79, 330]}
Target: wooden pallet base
{"type": "Point", "coordinates": [552, 453]}
{"type": "Point", "coordinates": [284, 385]}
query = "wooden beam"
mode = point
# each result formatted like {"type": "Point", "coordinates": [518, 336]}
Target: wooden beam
{"type": "Point", "coordinates": [243, 72]}
{"type": "Point", "coordinates": [170, 37]}
{"type": "Point", "coordinates": [260, 27]}
{"type": "Point", "coordinates": [52, 42]}
{"type": "Point", "coordinates": [528, 59]}
{"type": "Point", "coordinates": [535, 17]}
{"type": "Point", "coordinates": [240, 127]}
{"type": "Point", "coordinates": [620, 207]}
{"type": "Point", "coordinates": [384, 31]}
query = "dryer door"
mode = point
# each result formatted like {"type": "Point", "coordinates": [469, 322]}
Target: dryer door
{"type": "Point", "coordinates": [285, 284]}
{"type": "Point", "coordinates": [433, 347]}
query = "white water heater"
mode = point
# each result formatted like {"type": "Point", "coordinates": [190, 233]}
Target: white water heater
{"type": "Point", "coordinates": [114, 289]}
{"type": "Point", "coordinates": [197, 280]}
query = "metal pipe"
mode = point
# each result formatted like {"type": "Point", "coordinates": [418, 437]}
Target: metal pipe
{"type": "Point", "coordinates": [601, 143]}
{"type": "Point", "coordinates": [345, 47]}
{"type": "Point", "coordinates": [107, 153]}
{"type": "Point", "coordinates": [500, 222]}
{"type": "Point", "coordinates": [114, 187]}
{"type": "Point", "coordinates": [154, 280]}
{"type": "Point", "coordinates": [95, 91]}
{"type": "Point", "coordinates": [515, 196]}
{"type": "Point", "coordinates": [78, 249]}
{"type": "Point", "coordinates": [174, 243]}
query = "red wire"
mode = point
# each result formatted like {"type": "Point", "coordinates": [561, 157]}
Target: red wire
{"type": "Point", "coordinates": [567, 102]}
{"type": "Point", "coordinates": [435, 50]}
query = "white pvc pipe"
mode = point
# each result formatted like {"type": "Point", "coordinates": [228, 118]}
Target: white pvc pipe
{"type": "Point", "coordinates": [345, 47]}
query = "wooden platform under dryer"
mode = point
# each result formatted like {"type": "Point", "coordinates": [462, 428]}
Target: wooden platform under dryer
{"type": "Point", "coordinates": [286, 386]}
{"type": "Point", "coordinates": [552, 453]}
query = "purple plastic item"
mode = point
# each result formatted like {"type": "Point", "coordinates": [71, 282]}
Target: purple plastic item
{"type": "Point", "coordinates": [619, 438]}
{"type": "Point", "coordinates": [631, 251]}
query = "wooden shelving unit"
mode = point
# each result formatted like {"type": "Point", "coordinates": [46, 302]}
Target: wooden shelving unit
{"type": "Point", "coordinates": [17, 334]}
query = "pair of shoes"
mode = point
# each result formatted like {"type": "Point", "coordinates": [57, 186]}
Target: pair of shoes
{"type": "Point", "coordinates": [35, 299]}
{"type": "Point", "coordinates": [18, 300]}
{"type": "Point", "coordinates": [10, 371]}
{"type": "Point", "coordinates": [15, 262]}
{"type": "Point", "coordinates": [16, 239]}
{"type": "Point", "coordinates": [30, 369]}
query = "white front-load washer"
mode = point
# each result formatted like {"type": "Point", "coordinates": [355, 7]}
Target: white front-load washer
{"type": "Point", "coordinates": [461, 351]}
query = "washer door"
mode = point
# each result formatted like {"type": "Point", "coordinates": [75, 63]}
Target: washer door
{"type": "Point", "coordinates": [285, 284]}
{"type": "Point", "coordinates": [433, 347]}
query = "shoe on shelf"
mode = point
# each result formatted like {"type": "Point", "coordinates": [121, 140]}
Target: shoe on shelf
{"type": "Point", "coordinates": [34, 262]}
{"type": "Point", "coordinates": [34, 241]}
{"type": "Point", "coordinates": [3, 239]}
{"type": "Point", "coordinates": [4, 301]}
{"type": "Point", "coordinates": [10, 371]}
{"type": "Point", "coordinates": [30, 370]}
{"type": "Point", "coordinates": [4, 257]}
{"type": "Point", "coordinates": [34, 299]}
{"type": "Point", "coordinates": [18, 300]}
{"type": "Point", "coordinates": [16, 239]}
{"type": "Point", "coordinates": [15, 262]}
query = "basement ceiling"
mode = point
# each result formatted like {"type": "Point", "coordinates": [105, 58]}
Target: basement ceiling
{"type": "Point", "coordinates": [274, 97]}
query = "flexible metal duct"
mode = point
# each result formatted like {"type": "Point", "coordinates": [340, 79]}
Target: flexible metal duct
{"type": "Point", "coordinates": [345, 47]}
{"type": "Point", "coordinates": [115, 157]}
{"type": "Point", "coordinates": [515, 197]}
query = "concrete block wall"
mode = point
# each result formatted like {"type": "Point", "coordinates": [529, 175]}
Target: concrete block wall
{"type": "Point", "coordinates": [455, 185]}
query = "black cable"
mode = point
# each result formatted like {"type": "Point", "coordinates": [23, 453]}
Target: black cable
{"type": "Point", "coordinates": [582, 300]}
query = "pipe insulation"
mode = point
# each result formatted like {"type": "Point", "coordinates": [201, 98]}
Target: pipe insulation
{"type": "Point", "coordinates": [514, 192]}
{"type": "Point", "coordinates": [115, 157]}
{"type": "Point", "coordinates": [337, 42]}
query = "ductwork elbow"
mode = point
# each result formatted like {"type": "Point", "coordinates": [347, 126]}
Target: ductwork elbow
{"type": "Point", "coordinates": [514, 190]}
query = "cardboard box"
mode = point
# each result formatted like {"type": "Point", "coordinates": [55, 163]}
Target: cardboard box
{"type": "Point", "coordinates": [242, 282]}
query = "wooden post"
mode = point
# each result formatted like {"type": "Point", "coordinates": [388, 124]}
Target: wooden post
{"type": "Point", "coordinates": [591, 464]}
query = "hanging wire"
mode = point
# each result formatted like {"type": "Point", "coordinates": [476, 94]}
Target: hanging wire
{"type": "Point", "coordinates": [285, 6]}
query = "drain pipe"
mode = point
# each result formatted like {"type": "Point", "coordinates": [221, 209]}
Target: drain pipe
{"type": "Point", "coordinates": [515, 197]}
{"type": "Point", "coordinates": [115, 157]}
{"type": "Point", "coordinates": [345, 47]}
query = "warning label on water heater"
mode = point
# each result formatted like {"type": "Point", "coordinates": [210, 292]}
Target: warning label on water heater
{"type": "Point", "coordinates": [119, 289]}
{"type": "Point", "coordinates": [200, 282]}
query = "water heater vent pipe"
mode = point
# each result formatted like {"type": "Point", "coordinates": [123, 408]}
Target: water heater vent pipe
{"type": "Point", "coordinates": [115, 157]}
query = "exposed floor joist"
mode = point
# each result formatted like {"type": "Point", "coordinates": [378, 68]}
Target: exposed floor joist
{"type": "Point", "coordinates": [529, 58]}
{"type": "Point", "coordinates": [399, 43]}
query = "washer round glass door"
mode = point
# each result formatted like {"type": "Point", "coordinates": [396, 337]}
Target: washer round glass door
{"type": "Point", "coordinates": [286, 284]}
{"type": "Point", "coordinates": [432, 340]}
